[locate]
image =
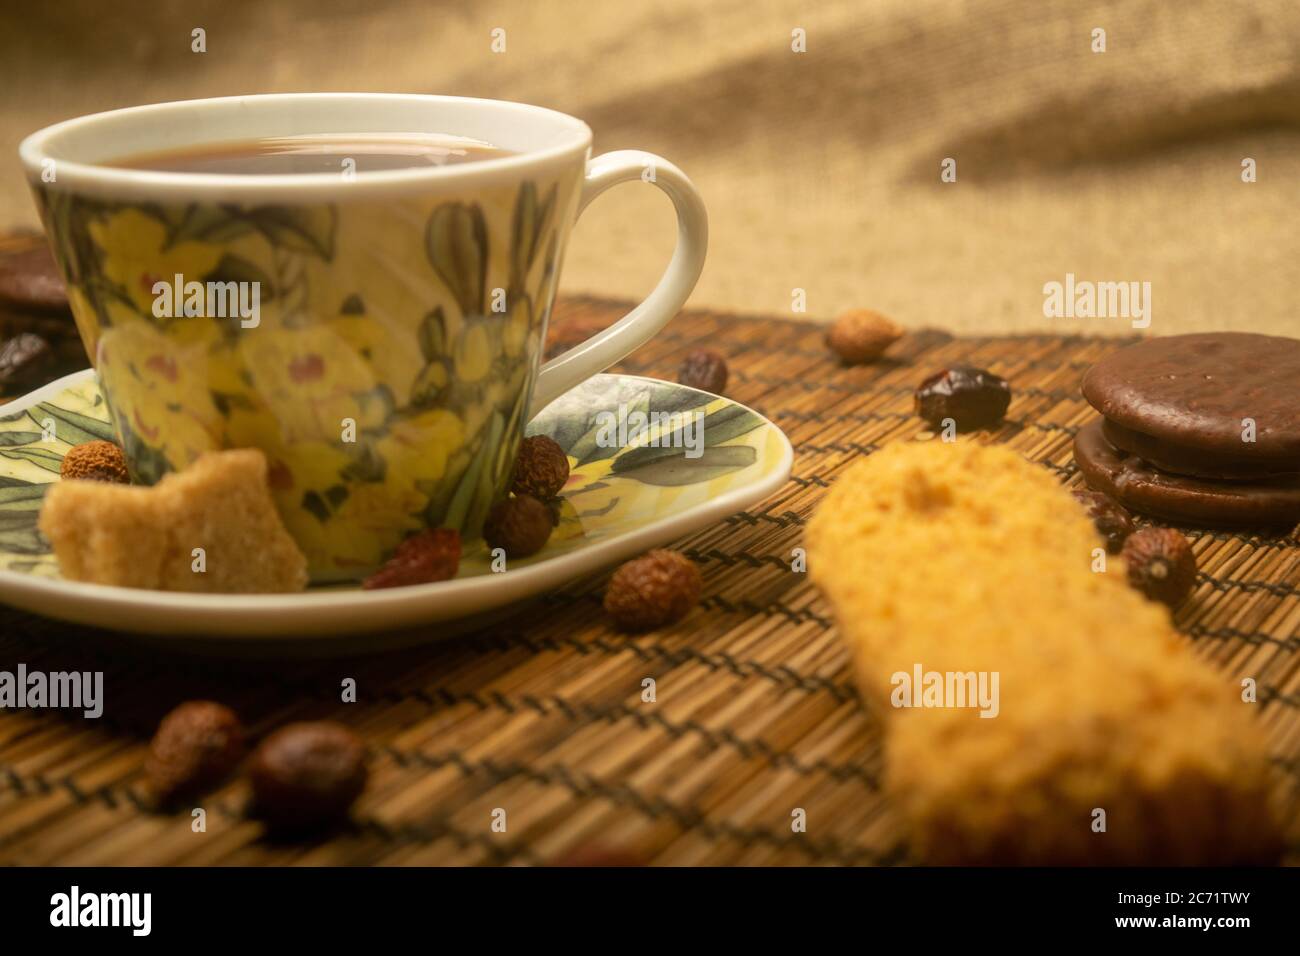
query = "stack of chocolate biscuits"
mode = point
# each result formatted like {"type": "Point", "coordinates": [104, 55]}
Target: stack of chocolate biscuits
{"type": "Point", "coordinates": [1198, 429]}
{"type": "Point", "coordinates": [38, 338]}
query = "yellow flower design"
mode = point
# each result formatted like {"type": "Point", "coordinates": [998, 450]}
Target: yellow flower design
{"type": "Point", "coordinates": [87, 319]}
{"type": "Point", "coordinates": [292, 468]}
{"type": "Point", "coordinates": [159, 390]}
{"type": "Point", "coordinates": [307, 378]}
{"type": "Point", "coordinates": [515, 329]}
{"type": "Point", "coordinates": [134, 257]}
{"type": "Point", "coordinates": [473, 353]}
{"type": "Point", "coordinates": [376, 341]}
{"type": "Point", "coordinates": [338, 549]}
{"type": "Point", "coordinates": [416, 448]}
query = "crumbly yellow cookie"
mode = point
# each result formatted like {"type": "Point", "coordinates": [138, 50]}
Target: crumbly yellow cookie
{"type": "Point", "coordinates": [960, 559]}
{"type": "Point", "coordinates": [146, 537]}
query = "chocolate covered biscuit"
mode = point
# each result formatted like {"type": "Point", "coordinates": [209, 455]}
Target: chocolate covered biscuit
{"type": "Point", "coordinates": [1203, 429]}
{"type": "Point", "coordinates": [1196, 463]}
{"type": "Point", "coordinates": [1193, 391]}
{"type": "Point", "coordinates": [1201, 502]}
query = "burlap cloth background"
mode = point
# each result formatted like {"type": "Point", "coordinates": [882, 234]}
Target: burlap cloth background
{"type": "Point", "coordinates": [821, 169]}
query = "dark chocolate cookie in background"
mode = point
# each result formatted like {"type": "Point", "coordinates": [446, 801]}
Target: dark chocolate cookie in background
{"type": "Point", "coordinates": [1182, 499]}
{"type": "Point", "coordinates": [38, 338]}
{"type": "Point", "coordinates": [1202, 429]}
{"type": "Point", "coordinates": [29, 278]}
{"type": "Point", "coordinates": [27, 361]}
{"type": "Point", "coordinates": [1197, 463]}
{"type": "Point", "coordinates": [1188, 394]}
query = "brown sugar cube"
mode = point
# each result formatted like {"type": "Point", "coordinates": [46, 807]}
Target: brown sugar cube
{"type": "Point", "coordinates": [105, 533]}
{"type": "Point", "coordinates": [222, 504]}
{"type": "Point", "coordinates": [145, 537]}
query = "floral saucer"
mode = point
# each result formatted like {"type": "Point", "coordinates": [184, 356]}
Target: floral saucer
{"type": "Point", "coordinates": [650, 462]}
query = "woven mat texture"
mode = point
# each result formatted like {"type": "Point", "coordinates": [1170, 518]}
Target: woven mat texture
{"type": "Point", "coordinates": [542, 716]}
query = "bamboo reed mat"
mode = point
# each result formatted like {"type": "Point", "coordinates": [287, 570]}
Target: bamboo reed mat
{"type": "Point", "coordinates": [542, 716]}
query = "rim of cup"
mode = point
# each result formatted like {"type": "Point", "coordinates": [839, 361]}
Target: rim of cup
{"type": "Point", "coordinates": [533, 136]}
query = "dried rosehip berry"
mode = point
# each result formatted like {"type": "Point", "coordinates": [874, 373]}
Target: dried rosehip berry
{"type": "Point", "coordinates": [541, 469]}
{"type": "Point", "coordinates": [1111, 518]}
{"type": "Point", "coordinates": [655, 589]}
{"type": "Point", "coordinates": [95, 461]}
{"type": "Point", "coordinates": [520, 526]}
{"type": "Point", "coordinates": [430, 555]}
{"type": "Point", "coordinates": [307, 774]}
{"type": "Point", "coordinates": [971, 397]}
{"type": "Point", "coordinates": [704, 369]}
{"type": "Point", "coordinates": [196, 745]}
{"type": "Point", "coordinates": [1161, 564]}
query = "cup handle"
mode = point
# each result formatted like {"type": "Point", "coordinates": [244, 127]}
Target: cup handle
{"type": "Point", "coordinates": [637, 327]}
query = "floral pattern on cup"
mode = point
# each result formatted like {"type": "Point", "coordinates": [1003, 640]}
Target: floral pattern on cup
{"type": "Point", "coordinates": [389, 374]}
